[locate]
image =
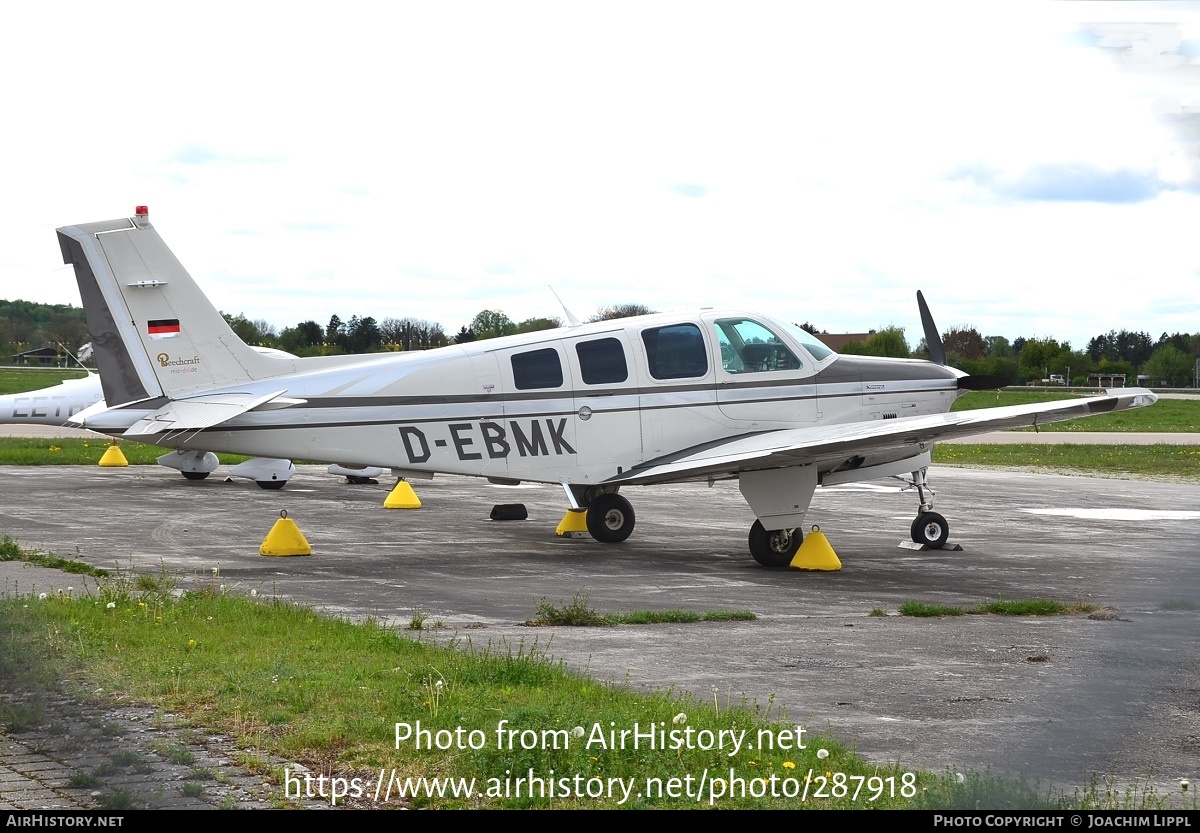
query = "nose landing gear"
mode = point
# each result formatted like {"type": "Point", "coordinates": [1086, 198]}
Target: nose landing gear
{"type": "Point", "coordinates": [929, 529]}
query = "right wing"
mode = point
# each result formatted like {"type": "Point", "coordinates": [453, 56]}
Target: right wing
{"type": "Point", "coordinates": [803, 446]}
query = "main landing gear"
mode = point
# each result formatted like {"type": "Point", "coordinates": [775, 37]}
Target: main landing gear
{"type": "Point", "coordinates": [929, 528]}
{"type": "Point", "coordinates": [775, 548]}
{"type": "Point", "coordinates": [610, 518]}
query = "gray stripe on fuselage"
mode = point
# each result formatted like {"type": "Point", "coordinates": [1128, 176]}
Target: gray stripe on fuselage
{"type": "Point", "coordinates": [300, 421]}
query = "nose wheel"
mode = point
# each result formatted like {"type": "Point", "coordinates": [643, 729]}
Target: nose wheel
{"type": "Point", "coordinates": [930, 529]}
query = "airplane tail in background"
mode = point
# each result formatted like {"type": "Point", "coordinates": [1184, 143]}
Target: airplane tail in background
{"type": "Point", "coordinates": [154, 332]}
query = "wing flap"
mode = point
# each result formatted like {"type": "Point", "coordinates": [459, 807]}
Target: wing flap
{"type": "Point", "coordinates": [197, 412]}
{"type": "Point", "coordinates": [801, 446]}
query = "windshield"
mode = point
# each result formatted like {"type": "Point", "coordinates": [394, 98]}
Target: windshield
{"type": "Point", "coordinates": [810, 342]}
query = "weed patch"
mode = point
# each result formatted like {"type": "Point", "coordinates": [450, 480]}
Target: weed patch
{"type": "Point", "coordinates": [579, 613]}
{"type": "Point", "coordinates": [118, 800]}
{"type": "Point", "coordinates": [83, 781]}
{"type": "Point", "coordinates": [10, 550]}
{"type": "Point", "coordinates": [922, 609]}
{"type": "Point", "coordinates": [1031, 607]}
{"type": "Point", "coordinates": [999, 607]}
{"type": "Point", "coordinates": [192, 789]}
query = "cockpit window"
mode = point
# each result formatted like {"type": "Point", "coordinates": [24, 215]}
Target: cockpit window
{"type": "Point", "coordinates": [749, 347]}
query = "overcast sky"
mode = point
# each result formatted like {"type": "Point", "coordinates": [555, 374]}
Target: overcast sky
{"type": "Point", "coordinates": [1033, 167]}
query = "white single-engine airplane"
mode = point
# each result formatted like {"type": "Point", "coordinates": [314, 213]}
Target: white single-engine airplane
{"type": "Point", "coordinates": [594, 407]}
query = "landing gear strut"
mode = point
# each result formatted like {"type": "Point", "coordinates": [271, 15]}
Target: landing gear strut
{"type": "Point", "coordinates": [774, 548]}
{"type": "Point", "coordinates": [929, 528]}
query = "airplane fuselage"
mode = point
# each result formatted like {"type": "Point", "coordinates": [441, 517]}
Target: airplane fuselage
{"type": "Point", "coordinates": [636, 401]}
{"type": "Point", "coordinates": [578, 405]}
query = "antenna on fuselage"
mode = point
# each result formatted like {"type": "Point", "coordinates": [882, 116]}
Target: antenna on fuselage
{"type": "Point", "coordinates": [86, 353]}
{"type": "Point", "coordinates": [572, 321]}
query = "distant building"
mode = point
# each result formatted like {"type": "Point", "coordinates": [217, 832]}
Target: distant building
{"type": "Point", "coordinates": [1106, 380]}
{"type": "Point", "coordinates": [43, 357]}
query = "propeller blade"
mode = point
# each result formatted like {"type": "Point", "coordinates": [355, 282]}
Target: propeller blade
{"type": "Point", "coordinates": [933, 339]}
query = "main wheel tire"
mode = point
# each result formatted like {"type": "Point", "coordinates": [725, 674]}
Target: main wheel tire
{"type": "Point", "coordinates": [774, 548]}
{"type": "Point", "coordinates": [610, 518]}
{"type": "Point", "coordinates": [930, 529]}
{"type": "Point", "coordinates": [271, 484]}
{"type": "Point", "coordinates": [195, 475]}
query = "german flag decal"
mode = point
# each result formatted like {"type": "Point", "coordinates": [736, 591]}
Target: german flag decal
{"type": "Point", "coordinates": [163, 328]}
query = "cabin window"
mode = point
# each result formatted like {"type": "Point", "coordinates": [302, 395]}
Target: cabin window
{"type": "Point", "coordinates": [602, 362]}
{"type": "Point", "coordinates": [675, 352]}
{"type": "Point", "coordinates": [749, 347]}
{"type": "Point", "coordinates": [537, 369]}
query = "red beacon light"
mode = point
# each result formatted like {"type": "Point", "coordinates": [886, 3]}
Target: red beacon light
{"type": "Point", "coordinates": [141, 216]}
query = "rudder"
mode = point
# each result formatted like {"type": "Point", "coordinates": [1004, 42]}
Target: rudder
{"type": "Point", "coordinates": [154, 332]}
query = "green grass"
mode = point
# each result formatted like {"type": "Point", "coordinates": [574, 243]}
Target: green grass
{"type": "Point", "coordinates": [260, 670]}
{"type": "Point", "coordinates": [1000, 607]}
{"type": "Point", "coordinates": [10, 550]}
{"type": "Point", "coordinates": [914, 608]}
{"type": "Point", "coordinates": [1165, 415]}
{"type": "Point", "coordinates": [13, 380]}
{"type": "Point", "coordinates": [1179, 461]}
{"type": "Point", "coordinates": [993, 399]}
{"type": "Point", "coordinates": [80, 451]}
{"type": "Point", "coordinates": [83, 781]}
{"type": "Point", "coordinates": [579, 613]}
{"type": "Point", "coordinates": [658, 617]}
{"type": "Point", "coordinates": [126, 758]}
{"type": "Point", "coordinates": [728, 616]}
{"type": "Point", "coordinates": [191, 789]}
{"type": "Point", "coordinates": [118, 800]}
{"type": "Point", "coordinates": [1031, 607]}
{"type": "Point", "coordinates": [70, 451]}
{"type": "Point", "coordinates": [175, 753]}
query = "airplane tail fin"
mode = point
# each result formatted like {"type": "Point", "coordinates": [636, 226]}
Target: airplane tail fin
{"type": "Point", "coordinates": [154, 332]}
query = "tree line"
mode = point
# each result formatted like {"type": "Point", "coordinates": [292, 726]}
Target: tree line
{"type": "Point", "coordinates": [367, 335]}
{"type": "Point", "coordinates": [1170, 359]}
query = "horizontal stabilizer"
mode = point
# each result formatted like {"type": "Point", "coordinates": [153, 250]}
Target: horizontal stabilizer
{"type": "Point", "coordinates": [200, 412]}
